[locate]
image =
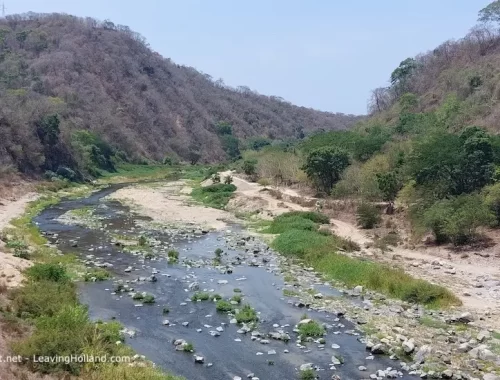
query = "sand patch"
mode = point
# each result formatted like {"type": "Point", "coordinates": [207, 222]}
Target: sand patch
{"type": "Point", "coordinates": [169, 203]}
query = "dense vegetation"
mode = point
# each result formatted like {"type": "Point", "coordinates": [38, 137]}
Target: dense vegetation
{"type": "Point", "coordinates": [300, 237]}
{"type": "Point", "coordinates": [77, 94]}
{"type": "Point", "coordinates": [429, 148]}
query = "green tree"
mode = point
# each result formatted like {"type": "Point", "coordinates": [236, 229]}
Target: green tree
{"type": "Point", "coordinates": [450, 164]}
{"type": "Point", "coordinates": [490, 13]}
{"type": "Point", "coordinates": [491, 196]}
{"type": "Point", "coordinates": [231, 146]}
{"type": "Point", "coordinates": [224, 128]}
{"type": "Point", "coordinates": [249, 167]}
{"type": "Point", "coordinates": [389, 185]}
{"type": "Point", "coordinates": [325, 165]}
{"type": "Point", "coordinates": [48, 130]}
{"type": "Point", "coordinates": [401, 75]}
{"type": "Point", "coordinates": [457, 219]}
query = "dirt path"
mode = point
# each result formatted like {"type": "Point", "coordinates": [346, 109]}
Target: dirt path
{"type": "Point", "coordinates": [475, 279]}
{"type": "Point", "coordinates": [10, 266]}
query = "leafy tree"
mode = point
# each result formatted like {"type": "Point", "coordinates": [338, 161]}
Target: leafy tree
{"type": "Point", "coordinates": [325, 165]}
{"type": "Point", "coordinates": [257, 143]}
{"type": "Point", "coordinates": [231, 146]}
{"type": "Point", "coordinates": [490, 13]}
{"type": "Point", "coordinates": [389, 185]}
{"type": "Point", "coordinates": [491, 196]}
{"type": "Point", "coordinates": [448, 164]}
{"type": "Point", "coordinates": [249, 167]}
{"type": "Point", "coordinates": [367, 216]}
{"type": "Point", "coordinates": [224, 128]}
{"type": "Point", "coordinates": [457, 219]}
{"type": "Point", "coordinates": [48, 130]}
{"type": "Point", "coordinates": [401, 75]}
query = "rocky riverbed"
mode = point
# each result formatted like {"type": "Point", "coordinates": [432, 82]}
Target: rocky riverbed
{"type": "Point", "coordinates": [168, 305]}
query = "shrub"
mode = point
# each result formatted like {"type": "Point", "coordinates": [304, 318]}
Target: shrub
{"type": "Point", "coordinates": [249, 167]}
{"type": "Point", "coordinates": [215, 297]}
{"type": "Point", "coordinates": [492, 200]}
{"type": "Point", "coordinates": [223, 306]}
{"type": "Point", "coordinates": [236, 298]}
{"type": "Point", "coordinates": [367, 216]}
{"type": "Point", "coordinates": [96, 274]}
{"type": "Point", "coordinates": [173, 255]}
{"type": "Point", "coordinates": [148, 299]}
{"type": "Point", "coordinates": [216, 178]}
{"type": "Point", "coordinates": [43, 298]}
{"type": "Point", "coordinates": [457, 219]}
{"type": "Point", "coordinates": [216, 195]}
{"type": "Point", "coordinates": [228, 180]}
{"type": "Point", "coordinates": [246, 314]}
{"type": "Point", "coordinates": [297, 220]}
{"type": "Point", "coordinates": [218, 253]}
{"type": "Point", "coordinates": [200, 296]}
{"type": "Point", "coordinates": [47, 272]}
{"type": "Point", "coordinates": [142, 241]}
{"type": "Point", "coordinates": [188, 347]}
{"type": "Point", "coordinates": [64, 333]}
{"type": "Point", "coordinates": [311, 329]}
{"type": "Point", "coordinates": [307, 374]}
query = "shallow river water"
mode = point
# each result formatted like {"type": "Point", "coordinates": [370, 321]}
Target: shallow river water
{"type": "Point", "coordinates": [231, 354]}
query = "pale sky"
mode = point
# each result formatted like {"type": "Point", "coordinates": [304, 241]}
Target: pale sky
{"type": "Point", "coordinates": [324, 54]}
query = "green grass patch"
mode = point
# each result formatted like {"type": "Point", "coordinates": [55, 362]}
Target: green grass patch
{"type": "Point", "coordinates": [311, 329]}
{"type": "Point", "coordinates": [319, 251]}
{"type": "Point", "coordinates": [236, 298]}
{"type": "Point", "coordinates": [246, 314]}
{"type": "Point", "coordinates": [173, 256]}
{"type": "Point", "coordinates": [296, 220]}
{"type": "Point", "coordinates": [223, 306]}
{"type": "Point", "coordinates": [290, 293]}
{"type": "Point", "coordinates": [495, 335]}
{"type": "Point", "coordinates": [432, 323]}
{"type": "Point", "coordinates": [307, 374]}
{"type": "Point", "coordinates": [47, 272]}
{"type": "Point", "coordinates": [200, 296]}
{"type": "Point", "coordinates": [216, 196]}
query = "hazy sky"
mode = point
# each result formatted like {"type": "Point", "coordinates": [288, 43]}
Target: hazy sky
{"type": "Point", "coordinates": [325, 54]}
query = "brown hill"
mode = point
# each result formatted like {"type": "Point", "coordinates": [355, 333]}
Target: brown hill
{"type": "Point", "coordinates": [100, 77]}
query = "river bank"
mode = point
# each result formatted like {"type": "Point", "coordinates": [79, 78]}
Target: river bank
{"type": "Point", "coordinates": [435, 348]}
{"type": "Point", "coordinates": [389, 321]}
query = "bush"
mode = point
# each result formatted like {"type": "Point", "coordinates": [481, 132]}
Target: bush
{"type": "Point", "coordinates": [315, 217]}
{"type": "Point", "coordinates": [249, 167]}
{"type": "Point", "coordinates": [297, 220]}
{"type": "Point", "coordinates": [457, 219]}
{"type": "Point", "coordinates": [223, 306]}
{"type": "Point", "coordinates": [246, 314]}
{"type": "Point", "coordinates": [216, 195]}
{"type": "Point", "coordinates": [188, 347]}
{"type": "Point", "coordinates": [43, 298]}
{"type": "Point", "coordinates": [173, 255]}
{"type": "Point", "coordinates": [200, 296]}
{"type": "Point", "coordinates": [64, 333]}
{"type": "Point", "coordinates": [228, 180]}
{"type": "Point", "coordinates": [311, 329]}
{"type": "Point", "coordinates": [236, 298]}
{"type": "Point", "coordinates": [307, 374]}
{"type": "Point", "coordinates": [47, 272]}
{"type": "Point", "coordinates": [367, 216]}
{"type": "Point", "coordinates": [216, 178]}
{"type": "Point", "coordinates": [96, 274]}
{"type": "Point", "coordinates": [492, 200]}
{"type": "Point", "coordinates": [148, 299]}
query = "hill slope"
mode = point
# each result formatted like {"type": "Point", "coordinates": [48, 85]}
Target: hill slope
{"type": "Point", "coordinates": [104, 78]}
